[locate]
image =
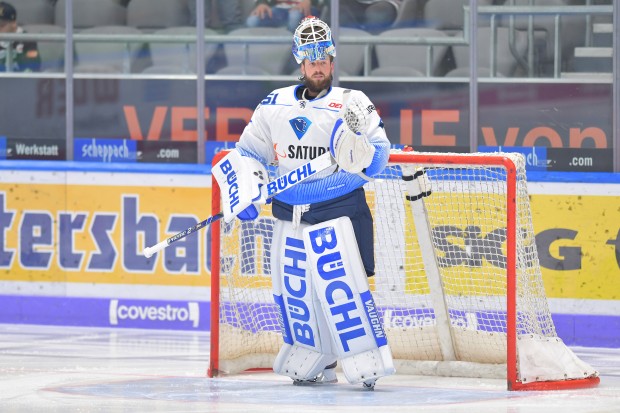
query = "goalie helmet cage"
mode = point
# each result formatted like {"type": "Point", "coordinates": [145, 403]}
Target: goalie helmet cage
{"type": "Point", "coordinates": [458, 282]}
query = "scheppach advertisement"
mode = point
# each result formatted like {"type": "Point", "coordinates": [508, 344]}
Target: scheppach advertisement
{"type": "Point", "coordinates": [571, 122]}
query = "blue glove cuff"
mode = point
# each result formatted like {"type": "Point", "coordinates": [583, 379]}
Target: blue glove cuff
{"type": "Point", "coordinates": [248, 214]}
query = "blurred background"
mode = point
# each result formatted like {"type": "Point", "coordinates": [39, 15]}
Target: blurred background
{"type": "Point", "coordinates": [126, 70]}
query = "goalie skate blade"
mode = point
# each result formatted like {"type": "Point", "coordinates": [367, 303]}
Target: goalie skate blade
{"type": "Point", "coordinates": [313, 382]}
{"type": "Point", "coordinates": [369, 385]}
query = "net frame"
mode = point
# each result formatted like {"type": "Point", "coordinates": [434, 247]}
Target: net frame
{"type": "Point", "coordinates": [514, 167]}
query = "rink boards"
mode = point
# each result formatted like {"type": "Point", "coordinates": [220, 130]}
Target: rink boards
{"type": "Point", "coordinates": [72, 241]}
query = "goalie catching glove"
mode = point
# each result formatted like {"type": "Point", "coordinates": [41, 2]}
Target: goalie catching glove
{"type": "Point", "coordinates": [352, 151]}
{"type": "Point", "coordinates": [240, 179]}
{"type": "Point", "coordinates": [349, 144]}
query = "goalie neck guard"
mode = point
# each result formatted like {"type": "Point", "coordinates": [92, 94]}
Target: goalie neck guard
{"type": "Point", "coordinates": [313, 40]}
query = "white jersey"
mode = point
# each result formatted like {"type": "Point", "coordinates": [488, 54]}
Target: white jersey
{"type": "Point", "coordinates": [292, 131]}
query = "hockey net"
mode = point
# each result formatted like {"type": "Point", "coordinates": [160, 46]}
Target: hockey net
{"type": "Point", "coordinates": [458, 283]}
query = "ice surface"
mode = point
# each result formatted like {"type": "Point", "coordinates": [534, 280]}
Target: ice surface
{"type": "Point", "coordinates": [69, 369]}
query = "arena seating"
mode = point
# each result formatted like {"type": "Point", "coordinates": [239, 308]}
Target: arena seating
{"type": "Point", "coordinates": [35, 11]}
{"type": "Point", "coordinates": [106, 57]}
{"type": "Point", "coordinates": [148, 15]}
{"type": "Point", "coordinates": [437, 18]}
{"type": "Point", "coordinates": [271, 58]}
{"type": "Point", "coordinates": [413, 56]}
{"type": "Point", "coordinates": [351, 56]}
{"type": "Point", "coordinates": [91, 13]}
{"type": "Point", "coordinates": [505, 60]}
{"type": "Point", "coordinates": [166, 56]}
{"type": "Point", "coordinates": [52, 53]}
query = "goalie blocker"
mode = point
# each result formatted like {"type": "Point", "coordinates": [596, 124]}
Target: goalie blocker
{"type": "Point", "coordinates": [240, 179]}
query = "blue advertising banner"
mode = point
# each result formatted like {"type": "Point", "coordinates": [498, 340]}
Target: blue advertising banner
{"type": "Point", "coordinates": [573, 329]}
{"type": "Point", "coordinates": [535, 157]}
{"type": "Point", "coordinates": [104, 150]}
{"type": "Point", "coordinates": [213, 147]}
{"type": "Point", "coordinates": [105, 312]}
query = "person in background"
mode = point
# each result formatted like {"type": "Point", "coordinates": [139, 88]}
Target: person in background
{"type": "Point", "coordinates": [282, 13]}
{"type": "Point", "coordinates": [228, 13]}
{"type": "Point", "coordinates": [23, 56]}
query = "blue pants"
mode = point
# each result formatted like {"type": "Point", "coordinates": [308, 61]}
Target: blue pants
{"type": "Point", "coordinates": [352, 205]}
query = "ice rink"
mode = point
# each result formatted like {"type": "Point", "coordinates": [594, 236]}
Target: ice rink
{"type": "Point", "coordinates": [69, 369]}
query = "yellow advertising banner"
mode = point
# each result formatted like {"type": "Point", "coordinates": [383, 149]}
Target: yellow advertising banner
{"type": "Point", "coordinates": [96, 233]}
{"type": "Point", "coordinates": [86, 228]}
{"type": "Point", "coordinates": [578, 240]}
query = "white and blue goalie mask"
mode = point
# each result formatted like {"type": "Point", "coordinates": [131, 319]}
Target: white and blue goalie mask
{"type": "Point", "coordinates": [313, 40]}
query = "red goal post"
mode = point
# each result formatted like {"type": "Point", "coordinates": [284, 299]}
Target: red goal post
{"type": "Point", "coordinates": [458, 283]}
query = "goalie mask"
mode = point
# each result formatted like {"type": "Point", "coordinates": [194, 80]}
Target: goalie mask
{"type": "Point", "coordinates": [313, 40]}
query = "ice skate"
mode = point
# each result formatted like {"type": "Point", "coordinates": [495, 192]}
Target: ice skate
{"type": "Point", "coordinates": [327, 376]}
{"type": "Point", "coordinates": [369, 384]}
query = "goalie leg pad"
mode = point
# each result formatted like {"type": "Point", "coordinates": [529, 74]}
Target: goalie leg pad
{"type": "Point", "coordinates": [342, 287]}
{"type": "Point", "coordinates": [300, 363]}
{"type": "Point", "coordinates": [305, 351]}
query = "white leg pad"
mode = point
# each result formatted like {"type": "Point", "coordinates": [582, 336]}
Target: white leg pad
{"type": "Point", "coordinates": [305, 351]}
{"type": "Point", "coordinates": [341, 285]}
{"type": "Point", "coordinates": [301, 363]}
{"type": "Point", "coordinates": [368, 365]}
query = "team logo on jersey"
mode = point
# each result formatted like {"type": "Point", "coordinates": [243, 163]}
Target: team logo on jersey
{"type": "Point", "coordinates": [300, 126]}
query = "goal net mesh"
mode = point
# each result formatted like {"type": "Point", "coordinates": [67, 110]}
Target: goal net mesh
{"type": "Point", "coordinates": [464, 240]}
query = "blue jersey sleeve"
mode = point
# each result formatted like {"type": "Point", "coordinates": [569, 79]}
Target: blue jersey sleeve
{"type": "Point", "coordinates": [332, 186]}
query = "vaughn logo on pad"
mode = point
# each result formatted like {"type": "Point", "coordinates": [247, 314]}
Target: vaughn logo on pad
{"type": "Point", "coordinates": [133, 313]}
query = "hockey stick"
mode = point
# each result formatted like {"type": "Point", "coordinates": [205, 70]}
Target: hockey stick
{"type": "Point", "coordinates": [273, 188]}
